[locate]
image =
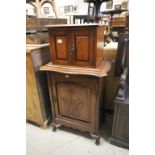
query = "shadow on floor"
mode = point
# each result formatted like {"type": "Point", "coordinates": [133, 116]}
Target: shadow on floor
{"type": "Point", "coordinates": [105, 129]}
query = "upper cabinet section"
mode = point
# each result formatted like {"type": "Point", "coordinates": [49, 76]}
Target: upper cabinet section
{"type": "Point", "coordinates": [77, 45]}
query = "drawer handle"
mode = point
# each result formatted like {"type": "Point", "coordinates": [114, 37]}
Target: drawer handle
{"type": "Point", "coordinates": [67, 76]}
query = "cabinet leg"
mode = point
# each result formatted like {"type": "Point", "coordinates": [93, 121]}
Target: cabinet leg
{"type": "Point", "coordinates": [96, 137]}
{"type": "Point", "coordinates": [97, 142]}
{"type": "Point", "coordinates": [55, 126]}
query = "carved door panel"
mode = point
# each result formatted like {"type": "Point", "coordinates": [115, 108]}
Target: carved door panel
{"type": "Point", "coordinates": [83, 42]}
{"type": "Point", "coordinates": [33, 109]}
{"type": "Point", "coordinates": [60, 46]}
{"type": "Point", "coordinates": [75, 97]}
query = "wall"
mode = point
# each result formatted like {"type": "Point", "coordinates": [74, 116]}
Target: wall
{"type": "Point", "coordinates": [82, 8]}
{"type": "Point", "coordinates": [115, 2]}
{"type": "Point", "coordinates": [30, 9]}
{"type": "Point", "coordinates": [51, 12]}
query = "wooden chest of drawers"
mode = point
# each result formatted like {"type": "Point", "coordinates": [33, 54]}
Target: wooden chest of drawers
{"type": "Point", "coordinates": [38, 107]}
{"type": "Point", "coordinates": [77, 96]}
{"type": "Point", "coordinates": [77, 45]}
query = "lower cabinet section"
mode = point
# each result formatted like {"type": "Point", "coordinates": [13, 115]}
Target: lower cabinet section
{"type": "Point", "coordinates": [120, 132]}
{"type": "Point", "coordinates": [76, 101]}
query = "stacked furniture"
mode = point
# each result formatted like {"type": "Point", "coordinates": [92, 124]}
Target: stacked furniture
{"type": "Point", "coordinates": [112, 81]}
{"type": "Point", "coordinates": [38, 108]}
{"type": "Point", "coordinates": [36, 33]}
{"type": "Point", "coordinates": [76, 76]}
{"type": "Point", "coordinates": [120, 131]}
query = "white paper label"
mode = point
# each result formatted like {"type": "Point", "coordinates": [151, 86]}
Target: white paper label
{"type": "Point", "coordinates": [59, 41]}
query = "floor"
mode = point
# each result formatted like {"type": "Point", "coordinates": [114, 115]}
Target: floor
{"type": "Point", "coordinates": [67, 141]}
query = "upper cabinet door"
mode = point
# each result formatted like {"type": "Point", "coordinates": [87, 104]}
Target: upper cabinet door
{"type": "Point", "coordinates": [60, 46]}
{"type": "Point", "coordinates": [83, 42]}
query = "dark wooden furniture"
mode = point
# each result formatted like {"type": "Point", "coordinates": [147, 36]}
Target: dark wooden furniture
{"type": "Point", "coordinates": [122, 58]}
{"type": "Point", "coordinates": [77, 96]}
{"type": "Point", "coordinates": [120, 131]}
{"type": "Point", "coordinates": [37, 37]}
{"type": "Point", "coordinates": [77, 45]}
{"type": "Point", "coordinates": [38, 107]}
{"type": "Point", "coordinates": [119, 57]}
{"type": "Point", "coordinates": [121, 28]}
{"type": "Point", "coordinates": [96, 8]}
{"type": "Point", "coordinates": [39, 23]}
{"type": "Point", "coordinates": [36, 33]}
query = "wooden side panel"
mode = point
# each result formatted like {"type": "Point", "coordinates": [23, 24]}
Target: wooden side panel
{"type": "Point", "coordinates": [41, 57]}
{"type": "Point", "coordinates": [122, 123]}
{"type": "Point", "coordinates": [37, 38]}
{"type": "Point", "coordinates": [99, 45]}
{"type": "Point", "coordinates": [110, 91]}
{"type": "Point", "coordinates": [82, 48]}
{"type": "Point", "coordinates": [33, 109]}
{"type": "Point", "coordinates": [120, 131]}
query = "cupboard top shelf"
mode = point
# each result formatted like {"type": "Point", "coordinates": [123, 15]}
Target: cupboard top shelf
{"type": "Point", "coordinates": [74, 25]}
{"type": "Point", "coordinates": [98, 71]}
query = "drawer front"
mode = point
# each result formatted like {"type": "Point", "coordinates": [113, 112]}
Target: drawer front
{"type": "Point", "coordinates": [75, 98]}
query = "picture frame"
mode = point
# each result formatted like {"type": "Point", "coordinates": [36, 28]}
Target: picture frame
{"type": "Point", "coordinates": [75, 8]}
{"type": "Point", "coordinates": [68, 8]}
{"type": "Point", "coordinates": [109, 5]}
{"type": "Point", "coordinates": [118, 7]}
{"type": "Point", "coordinates": [125, 5]}
{"type": "Point", "coordinates": [46, 10]}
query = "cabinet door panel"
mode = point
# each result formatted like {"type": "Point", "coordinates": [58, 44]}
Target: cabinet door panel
{"type": "Point", "coordinates": [82, 48]}
{"type": "Point", "coordinates": [33, 109]}
{"type": "Point", "coordinates": [75, 98]}
{"type": "Point", "coordinates": [83, 40]}
{"type": "Point", "coordinates": [60, 46]}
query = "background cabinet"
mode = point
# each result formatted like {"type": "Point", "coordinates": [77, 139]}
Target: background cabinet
{"type": "Point", "coordinates": [38, 107]}
{"type": "Point", "coordinates": [76, 45]}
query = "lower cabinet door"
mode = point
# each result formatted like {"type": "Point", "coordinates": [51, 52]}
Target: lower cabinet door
{"type": "Point", "coordinates": [75, 99]}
